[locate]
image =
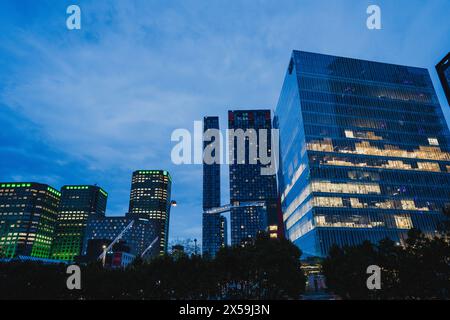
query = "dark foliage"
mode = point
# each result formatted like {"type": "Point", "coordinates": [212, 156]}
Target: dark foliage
{"type": "Point", "coordinates": [420, 270]}
{"type": "Point", "coordinates": [265, 269]}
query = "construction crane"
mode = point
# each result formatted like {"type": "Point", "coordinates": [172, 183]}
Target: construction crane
{"type": "Point", "coordinates": [149, 247]}
{"type": "Point", "coordinates": [107, 248]}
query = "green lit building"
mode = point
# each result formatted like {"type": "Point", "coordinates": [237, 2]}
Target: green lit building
{"type": "Point", "coordinates": [150, 199]}
{"type": "Point", "coordinates": [28, 215]}
{"type": "Point", "coordinates": [78, 203]}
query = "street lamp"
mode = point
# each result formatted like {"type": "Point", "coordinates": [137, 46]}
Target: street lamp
{"type": "Point", "coordinates": [173, 203]}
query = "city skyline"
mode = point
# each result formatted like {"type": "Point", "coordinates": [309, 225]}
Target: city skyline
{"type": "Point", "coordinates": [83, 136]}
{"type": "Point", "coordinates": [40, 222]}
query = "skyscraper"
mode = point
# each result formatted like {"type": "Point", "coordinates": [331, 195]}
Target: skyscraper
{"type": "Point", "coordinates": [77, 204]}
{"type": "Point", "coordinates": [211, 172]}
{"type": "Point", "coordinates": [247, 183]}
{"type": "Point", "coordinates": [364, 152]}
{"type": "Point", "coordinates": [212, 222]}
{"type": "Point", "coordinates": [150, 199]}
{"type": "Point", "coordinates": [28, 214]}
{"type": "Point", "coordinates": [443, 70]}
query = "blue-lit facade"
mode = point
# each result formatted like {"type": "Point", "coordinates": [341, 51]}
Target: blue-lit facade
{"type": "Point", "coordinates": [214, 233]}
{"type": "Point", "coordinates": [212, 240]}
{"type": "Point", "coordinates": [247, 184]}
{"type": "Point", "coordinates": [211, 172]}
{"type": "Point", "coordinates": [137, 238]}
{"type": "Point", "coordinates": [364, 152]}
{"type": "Point", "coordinates": [443, 70]}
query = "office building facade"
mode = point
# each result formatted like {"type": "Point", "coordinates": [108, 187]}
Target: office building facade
{"type": "Point", "coordinates": [211, 172]}
{"type": "Point", "coordinates": [443, 70]}
{"type": "Point", "coordinates": [364, 152]}
{"type": "Point", "coordinates": [214, 233]}
{"type": "Point", "coordinates": [78, 203]}
{"type": "Point", "coordinates": [247, 183]}
{"type": "Point", "coordinates": [150, 199]}
{"type": "Point", "coordinates": [210, 234]}
{"type": "Point", "coordinates": [212, 240]}
{"type": "Point", "coordinates": [28, 215]}
{"type": "Point", "coordinates": [104, 230]}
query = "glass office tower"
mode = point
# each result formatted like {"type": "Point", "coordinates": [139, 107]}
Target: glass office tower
{"type": "Point", "coordinates": [214, 233]}
{"type": "Point", "coordinates": [28, 214]}
{"type": "Point", "coordinates": [150, 199]}
{"type": "Point", "coordinates": [247, 184]}
{"type": "Point", "coordinates": [211, 172]}
{"type": "Point", "coordinates": [138, 238]}
{"type": "Point", "coordinates": [443, 70]}
{"type": "Point", "coordinates": [212, 240]}
{"type": "Point", "coordinates": [77, 204]}
{"type": "Point", "coordinates": [364, 152]}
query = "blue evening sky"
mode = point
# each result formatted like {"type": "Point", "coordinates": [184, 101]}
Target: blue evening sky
{"type": "Point", "coordinates": [91, 106]}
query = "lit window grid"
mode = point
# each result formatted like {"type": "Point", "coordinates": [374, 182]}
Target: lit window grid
{"type": "Point", "coordinates": [150, 199]}
{"type": "Point", "coordinates": [332, 136]}
{"type": "Point", "coordinates": [31, 210]}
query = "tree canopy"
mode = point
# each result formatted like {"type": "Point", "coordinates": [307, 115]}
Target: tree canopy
{"type": "Point", "coordinates": [263, 269]}
{"type": "Point", "coordinates": [418, 270]}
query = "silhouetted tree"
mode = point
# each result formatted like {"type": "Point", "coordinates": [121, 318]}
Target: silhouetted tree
{"type": "Point", "coordinates": [264, 269]}
{"type": "Point", "coordinates": [419, 270]}
{"type": "Point", "coordinates": [444, 226]}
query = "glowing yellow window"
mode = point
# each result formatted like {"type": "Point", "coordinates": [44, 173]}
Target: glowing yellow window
{"type": "Point", "coordinates": [349, 134]}
{"type": "Point", "coordinates": [320, 221]}
{"type": "Point", "coordinates": [433, 141]}
{"type": "Point", "coordinates": [403, 222]}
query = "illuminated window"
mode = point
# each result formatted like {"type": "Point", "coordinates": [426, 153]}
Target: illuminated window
{"type": "Point", "coordinates": [365, 148]}
{"type": "Point", "coordinates": [325, 186]}
{"type": "Point", "coordinates": [328, 202]}
{"type": "Point", "coordinates": [429, 166]}
{"type": "Point", "coordinates": [349, 134]}
{"type": "Point", "coordinates": [403, 222]}
{"type": "Point", "coordinates": [433, 141]}
{"type": "Point", "coordinates": [355, 203]}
